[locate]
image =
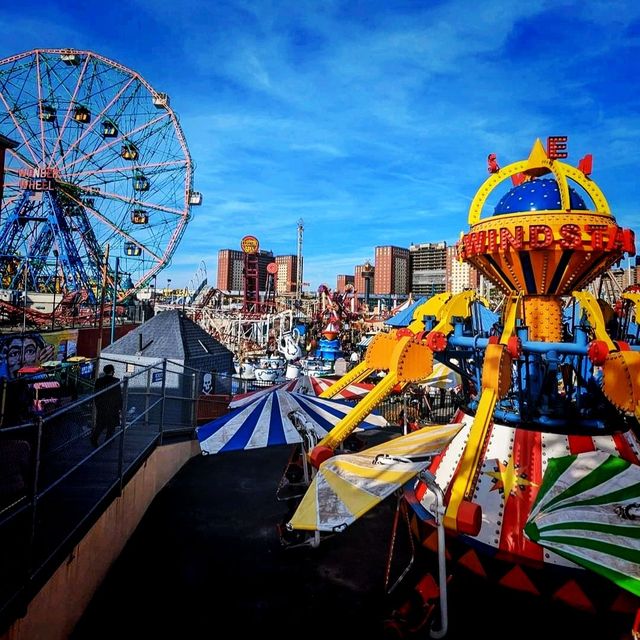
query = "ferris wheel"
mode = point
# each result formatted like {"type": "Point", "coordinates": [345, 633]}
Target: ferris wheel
{"type": "Point", "coordinates": [96, 157]}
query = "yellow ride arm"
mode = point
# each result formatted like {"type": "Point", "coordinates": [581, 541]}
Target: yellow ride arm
{"type": "Point", "coordinates": [634, 297]}
{"type": "Point", "coordinates": [359, 412]}
{"type": "Point", "coordinates": [410, 361]}
{"type": "Point", "coordinates": [379, 351]}
{"type": "Point", "coordinates": [621, 369]}
{"type": "Point", "coordinates": [496, 380]}
{"type": "Point", "coordinates": [405, 359]}
{"type": "Point", "coordinates": [590, 306]}
{"type": "Point", "coordinates": [357, 374]}
{"type": "Point", "coordinates": [458, 306]}
{"type": "Point", "coordinates": [432, 307]}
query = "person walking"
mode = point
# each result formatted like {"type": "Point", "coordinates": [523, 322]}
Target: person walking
{"type": "Point", "coordinates": [108, 404]}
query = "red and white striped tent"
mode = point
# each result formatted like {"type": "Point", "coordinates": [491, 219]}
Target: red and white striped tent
{"type": "Point", "coordinates": [401, 307]}
{"type": "Point", "coordinates": [354, 391]}
{"type": "Point", "coordinates": [309, 385]}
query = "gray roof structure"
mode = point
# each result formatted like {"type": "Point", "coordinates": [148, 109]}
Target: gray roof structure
{"type": "Point", "coordinates": [172, 335]}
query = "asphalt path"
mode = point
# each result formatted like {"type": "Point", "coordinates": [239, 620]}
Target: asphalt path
{"type": "Point", "coordinates": [208, 552]}
{"type": "Point", "coordinates": [207, 560]}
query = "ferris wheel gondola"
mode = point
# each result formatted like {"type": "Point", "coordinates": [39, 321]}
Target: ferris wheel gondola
{"type": "Point", "coordinates": [100, 160]}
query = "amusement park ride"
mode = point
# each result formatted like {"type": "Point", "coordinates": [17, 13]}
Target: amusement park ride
{"type": "Point", "coordinates": [539, 476]}
{"type": "Point", "coordinates": [337, 310]}
{"type": "Point", "coordinates": [96, 159]}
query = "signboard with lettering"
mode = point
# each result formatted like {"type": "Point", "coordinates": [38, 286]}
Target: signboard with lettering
{"type": "Point", "coordinates": [592, 237]}
{"type": "Point", "coordinates": [249, 244]}
{"type": "Point", "coordinates": [32, 349]}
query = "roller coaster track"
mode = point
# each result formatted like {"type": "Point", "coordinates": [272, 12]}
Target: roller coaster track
{"type": "Point", "coordinates": [67, 312]}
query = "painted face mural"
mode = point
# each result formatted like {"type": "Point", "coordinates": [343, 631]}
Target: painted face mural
{"type": "Point", "coordinates": [25, 351]}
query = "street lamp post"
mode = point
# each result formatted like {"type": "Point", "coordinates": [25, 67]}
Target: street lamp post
{"type": "Point", "coordinates": [169, 289]}
{"type": "Point", "coordinates": [24, 306]}
{"type": "Point", "coordinates": [55, 287]}
{"type": "Point", "coordinates": [24, 293]}
{"type": "Point", "coordinates": [114, 301]}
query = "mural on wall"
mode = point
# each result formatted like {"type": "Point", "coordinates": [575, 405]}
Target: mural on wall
{"type": "Point", "coordinates": [33, 349]}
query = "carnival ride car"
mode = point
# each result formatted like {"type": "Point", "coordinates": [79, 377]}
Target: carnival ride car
{"type": "Point", "coordinates": [539, 479]}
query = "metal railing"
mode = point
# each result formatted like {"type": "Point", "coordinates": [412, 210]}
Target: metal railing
{"type": "Point", "coordinates": [436, 406]}
{"type": "Point", "coordinates": [54, 484]}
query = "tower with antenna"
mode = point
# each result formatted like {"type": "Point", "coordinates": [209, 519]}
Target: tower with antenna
{"type": "Point", "coordinates": [300, 259]}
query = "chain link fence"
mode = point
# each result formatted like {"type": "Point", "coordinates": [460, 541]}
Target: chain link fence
{"type": "Point", "coordinates": [421, 405]}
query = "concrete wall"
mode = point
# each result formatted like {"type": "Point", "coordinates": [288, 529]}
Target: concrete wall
{"type": "Point", "coordinates": [56, 609]}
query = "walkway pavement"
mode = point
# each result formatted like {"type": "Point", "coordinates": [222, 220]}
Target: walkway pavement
{"type": "Point", "coordinates": [206, 561]}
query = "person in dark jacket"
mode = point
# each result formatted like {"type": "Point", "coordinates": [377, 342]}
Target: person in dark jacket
{"type": "Point", "coordinates": [108, 404]}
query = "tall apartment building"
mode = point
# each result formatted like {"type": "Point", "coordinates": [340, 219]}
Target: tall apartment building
{"type": "Point", "coordinates": [264, 258]}
{"type": "Point", "coordinates": [342, 281]}
{"type": "Point", "coordinates": [392, 271]}
{"type": "Point", "coordinates": [287, 274]}
{"type": "Point", "coordinates": [428, 268]}
{"type": "Point", "coordinates": [231, 266]}
{"type": "Point", "coordinates": [459, 275]}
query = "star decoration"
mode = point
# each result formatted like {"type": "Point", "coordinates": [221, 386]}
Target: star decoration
{"type": "Point", "coordinates": [507, 479]}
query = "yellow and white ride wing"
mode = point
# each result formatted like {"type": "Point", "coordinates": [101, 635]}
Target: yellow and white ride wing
{"type": "Point", "coordinates": [347, 486]}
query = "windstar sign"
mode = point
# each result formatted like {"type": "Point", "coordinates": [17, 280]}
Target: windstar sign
{"type": "Point", "coordinates": [591, 237]}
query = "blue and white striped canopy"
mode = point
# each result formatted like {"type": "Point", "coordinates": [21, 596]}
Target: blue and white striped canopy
{"type": "Point", "coordinates": [299, 385]}
{"type": "Point", "coordinates": [265, 422]}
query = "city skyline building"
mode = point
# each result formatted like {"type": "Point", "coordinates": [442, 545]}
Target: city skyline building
{"type": "Point", "coordinates": [358, 278]}
{"type": "Point", "coordinates": [428, 264]}
{"type": "Point", "coordinates": [343, 280]}
{"type": "Point", "coordinates": [287, 277]}
{"type": "Point", "coordinates": [459, 275]}
{"type": "Point", "coordinates": [626, 276]}
{"type": "Point", "coordinates": [391, 270]}
{"type": "Point", "coordinates": [264, 258]}
{"type": "Point", "coordinates": [231, 267]}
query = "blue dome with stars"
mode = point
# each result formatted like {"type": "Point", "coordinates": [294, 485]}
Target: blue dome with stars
{"type": "Point", "coordinates": [541, 194]}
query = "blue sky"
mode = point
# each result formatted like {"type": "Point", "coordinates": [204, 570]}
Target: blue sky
{"type": "Point", "coordinates": [371, 121]}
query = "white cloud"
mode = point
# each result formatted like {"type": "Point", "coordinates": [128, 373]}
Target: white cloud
{"type": "Point", "coordinates": [373, 127]}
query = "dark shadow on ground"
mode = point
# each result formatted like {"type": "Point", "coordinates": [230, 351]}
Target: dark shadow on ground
{"type": "Point", "coordinates": [207, 555]}
{"type": "Point", "coordinates": [206, 561]}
